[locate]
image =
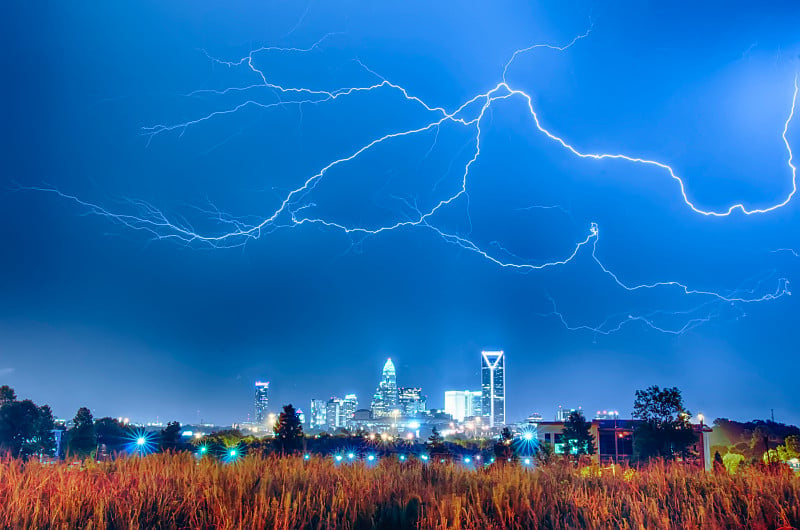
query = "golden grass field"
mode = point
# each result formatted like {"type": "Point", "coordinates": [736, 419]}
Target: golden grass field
{"type": "Point", "coordinates": [178, 491]}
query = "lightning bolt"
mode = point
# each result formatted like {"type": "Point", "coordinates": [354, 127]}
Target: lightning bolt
{"type": "Point", "coordinates": [295, 209]}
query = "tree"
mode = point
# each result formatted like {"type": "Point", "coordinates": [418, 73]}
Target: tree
{"type": "Point", "coordinates": [82, 436]}
{"type": "Point", "coordinates": [436, 445]}
{"type": "Point", "coordinates": [7, 395]}
{"type": "Point", "coordinates": [502, 449]}
{"type": "Point", "coordinates": [664, 429]}
{"type": "Point", "coordinates": [171, 436]}
{"type": "Point", "coordinates": [43, 442]}
{"type": "Point", "coordinates": [435, 438]}
{"type": "Point", "coordinates": [25, 429]}
{"type": "Point", "coordinates": [577, 434]}
{"type": "Point", "coordinates": [790, 448]}
{"type": "Point", "coordinates": [112, 434]}
{"type": "Point", "coordinates": [289, 431]}
{"type": "Point", "coordinates": [732, 461]}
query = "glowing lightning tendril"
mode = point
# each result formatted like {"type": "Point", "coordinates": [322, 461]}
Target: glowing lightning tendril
{"type": "Point", "coordinates": [291, 211]}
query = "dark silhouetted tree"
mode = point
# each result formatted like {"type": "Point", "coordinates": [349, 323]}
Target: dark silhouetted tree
{"type": "Point", "coordinates": [112, 434]}
{"type": "Point", "coordinates": [577, 434]}
{"type": "Point", "coordinates": [26, 430]}
{"type": "Point", "coordinates": [503, 451]}
{"type": "Point", "coordinates": [436, 447]}
{"type": "Point", "coordinates": [7, 395]}
{"type": "Point", "coordinates": [759, 442]}
{"type": "Point", "coordinates": [288, 431]}
{"type": "Point", "coordinates": [44, 440]}
{"type": "Point", "coordinates": [82, 436]}
{"type": "Point", "coordinates": [664, 429]}
{"type": "Point", "coordinates": [171, 437]}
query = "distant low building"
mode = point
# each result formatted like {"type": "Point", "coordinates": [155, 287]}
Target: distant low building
{"type": "Point", "coordinates": [606, 414]}
{"type": "Point", "coordinates": [563, 413]}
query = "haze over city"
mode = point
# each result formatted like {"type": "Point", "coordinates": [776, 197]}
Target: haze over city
{"type": "Point", "coordinates": [145, 276]}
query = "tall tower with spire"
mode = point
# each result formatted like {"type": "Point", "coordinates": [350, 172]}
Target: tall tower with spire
{"type": "Point", "coordinates": [384, 401]}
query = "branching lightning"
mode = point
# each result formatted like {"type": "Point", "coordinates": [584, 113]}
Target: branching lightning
{"type": "Point", "coordinates": [296, 208]}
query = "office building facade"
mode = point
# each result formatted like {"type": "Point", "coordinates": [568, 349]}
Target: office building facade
{"type": "Point", "coordinates": [385, 399]}
{"type": "Point", "coordinates": [319, 414]}
{"type": "Point", "coordinates": [493, 388]}
{"type": "Point", "coordinates": [411, 402]}
{"type": "Point", "coordinates": [462, 404]}
{"type": "Point", "coordinates": [261, 401]}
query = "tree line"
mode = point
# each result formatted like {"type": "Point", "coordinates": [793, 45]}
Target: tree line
{"type": "Point", "coordinates": [662, 430]}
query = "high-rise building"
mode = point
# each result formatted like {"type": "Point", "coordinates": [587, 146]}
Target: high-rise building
{"type": "Point", "coordinates": [319, 414]}
{"type": "Point", "coordinates": [349, 406]}
{"type": "Point", "coordinates": [384, 401]}
{"type": "Point", "coordinates": [493, 387]}
{"type": "Point", "coordinates": [474, 403]}
{"type": "Point", "coordinates": [410, 401]}
{"type": "Point", "coordinates": [462, 404]}
{"type": "Point", "coordinates": [333, 413]}
{"type": "Point", "coordinates": [261, 401]}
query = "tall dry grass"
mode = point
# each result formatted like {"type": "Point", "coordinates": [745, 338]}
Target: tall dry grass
{"type": "Point", "coordinates": [177, 491]}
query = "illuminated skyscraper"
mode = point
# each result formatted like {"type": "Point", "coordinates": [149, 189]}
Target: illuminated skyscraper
{"type": "Point", "coordinates": [474, 403]}
{"type": "Point", "coordinates": [262, 401]}
{"type": "Point", "coordinates": [384, 401]}
{"type": "Point", "coordinates": [318, 418]}
{"type": "Point", "coordinates": [462, 404]}
{"type": "Point", "coordinates": [333, 414]}
{"type": "Point", "coordinates": [493, 386]}
{"type": "Point", "coordinates": [348, 408]}
{"type": "Point", "coordinates": [410, 401]}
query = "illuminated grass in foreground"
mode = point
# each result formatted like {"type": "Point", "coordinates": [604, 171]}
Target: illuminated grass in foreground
{"type": "Point", "coordinates": [181, 491]}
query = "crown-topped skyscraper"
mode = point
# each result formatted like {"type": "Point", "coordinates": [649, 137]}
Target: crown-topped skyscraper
{"type": "Point", "coordinates": [385, 399]}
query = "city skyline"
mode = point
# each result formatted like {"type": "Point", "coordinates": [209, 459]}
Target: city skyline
{"type": "Point", "coordinates": [606, 192]}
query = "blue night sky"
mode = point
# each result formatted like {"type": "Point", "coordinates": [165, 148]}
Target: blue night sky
{"type": "Point", "coordinates": [131, 316]}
